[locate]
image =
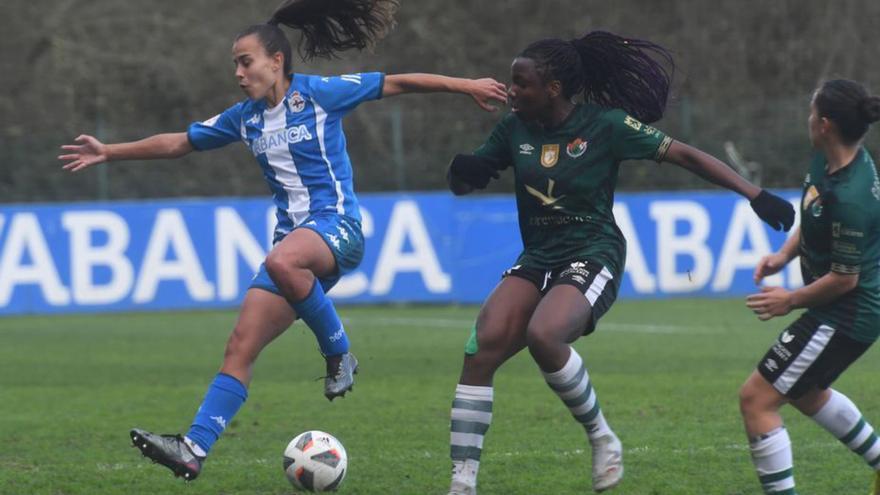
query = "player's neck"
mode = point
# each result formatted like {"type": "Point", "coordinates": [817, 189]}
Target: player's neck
{"type": "Point", "coordinates": [277, 92]}
{"type": "Point", "coordinates": [559, 112]}
{"type": "Point", "coordinates": [839, 156]}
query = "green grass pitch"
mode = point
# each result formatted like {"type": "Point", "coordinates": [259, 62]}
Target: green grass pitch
{"type": "Point", "coordinates": [667, 374]}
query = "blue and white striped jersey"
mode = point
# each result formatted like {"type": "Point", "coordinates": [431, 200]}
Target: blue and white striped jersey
{"type": "Point", "coordinates": [299, 143]}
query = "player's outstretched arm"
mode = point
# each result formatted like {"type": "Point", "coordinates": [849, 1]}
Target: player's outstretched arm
{"type": "Point", "coordinates": [89, 151]}
{"type": "Point", "coordinates": [775, 211]}
{"type": "Point", "coordinates": [483, 91]}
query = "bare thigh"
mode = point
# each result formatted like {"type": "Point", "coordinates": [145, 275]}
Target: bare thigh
{"type": "Point", "coordinates": [294, 263]}
{"type": "Point", "coordinates": [501, 329]}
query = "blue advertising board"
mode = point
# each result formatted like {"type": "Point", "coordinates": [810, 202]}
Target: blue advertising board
{"type": "Point", "coordinates": [425, 247]}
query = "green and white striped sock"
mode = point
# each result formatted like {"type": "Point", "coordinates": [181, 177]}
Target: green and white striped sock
{"type": "Point", "coordinates": [471, 416]}
{"type": "Point", "coordinates": [844, 420]}
{"type": "Point", "coordinates": [572, 385]}
{"type": "Point", "coordinates": [771, 455]}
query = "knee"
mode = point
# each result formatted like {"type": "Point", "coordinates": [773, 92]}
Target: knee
{"type": "Point", "coordinates": [276, 265]}
{"type": "Point", "coordinates": [279, 265]}
{"type": "Point", "coordinates": [489, 356]}
{"type": "Point", "coordinates": [751, 400]}
{"type": "Point", "coordinates": [541, 337]}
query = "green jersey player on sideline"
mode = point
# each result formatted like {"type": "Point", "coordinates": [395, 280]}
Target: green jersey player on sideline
{"type": "Point", "coordinates": [565, 158]}
{"type": "Point", "coordinates": [839, 247]}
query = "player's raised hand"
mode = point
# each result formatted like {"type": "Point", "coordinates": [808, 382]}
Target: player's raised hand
{"type": "Point", "coordinates": [485, 91]}
{"type": "Point", "coordinates": [769, 265]}
{"type": "Point", "coordinates": [89, 151]}
{"type": "Point", "coordinates": [770, 302]}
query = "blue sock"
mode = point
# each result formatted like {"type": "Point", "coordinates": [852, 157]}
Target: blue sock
{"type": "Point", "coordinates": [317, 311]}
{"type": "Point", "coordinates": [224, 396]}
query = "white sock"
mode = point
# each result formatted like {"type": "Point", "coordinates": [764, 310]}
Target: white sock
{"type": "Point", "coordinates": [194, 447]}
{"type": "Point", "coordinates": [844, 420]}
{"type": "Point", "coordinates": [771, 455]}
{"type": "Point", "coordinates": [572, 385]}
{"type": "Point", "coordinates": [471, 416]}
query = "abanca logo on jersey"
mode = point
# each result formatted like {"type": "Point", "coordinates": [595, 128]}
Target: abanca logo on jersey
{"type": "Point", "coordinates": [289, 136]}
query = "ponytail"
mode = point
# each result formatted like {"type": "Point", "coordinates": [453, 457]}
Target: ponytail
{"type": "Point", "coordinates": [625, 73]}
{"type": "Point", "coordinates": [608, 70]}
{"type": "Point", "coordinates": [331, 26]}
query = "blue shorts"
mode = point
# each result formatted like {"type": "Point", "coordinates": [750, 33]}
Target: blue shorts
{"type": "Point", "coordinates": [344, 238]}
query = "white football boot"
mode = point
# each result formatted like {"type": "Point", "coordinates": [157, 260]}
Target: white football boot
{"type": "Point", "coordinates": [464, 478]}
{"type": "Point", "coordinates": [607, 462]}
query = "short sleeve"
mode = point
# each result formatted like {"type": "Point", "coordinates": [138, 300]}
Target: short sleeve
{"type": "Point", "coordinates": [341, 94]}
{"type": "Point", "coordinates": [497, 146]}
{"type": "Point", "coordinates": [850, 225]}
{"type": "Point", "coordinates": [217, 131]}
{"type": "Point", "coordinates": [633, 140]}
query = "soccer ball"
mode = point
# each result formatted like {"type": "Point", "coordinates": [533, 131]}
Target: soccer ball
{"type": "Point", "coordinates": [315, 461]}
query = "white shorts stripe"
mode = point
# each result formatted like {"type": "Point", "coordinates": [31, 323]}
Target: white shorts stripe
{"type": "Point", "coordinates": [595, 289]}
{"type": "Point", "coordinates": [805, 359]}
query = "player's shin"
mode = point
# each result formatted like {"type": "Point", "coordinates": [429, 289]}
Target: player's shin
{"type": "Point", "coordinates": [471, 416]}
{"type": "Point", "coordinates": [572, 385]}
{"type": "Point", "coordinates": [840, 417]}
{"type": "Point", "coordinates": [224, 397]}
{"type": "Point", "coordinates": [318, 312]}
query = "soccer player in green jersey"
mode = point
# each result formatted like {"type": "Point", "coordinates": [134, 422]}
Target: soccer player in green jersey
{"type": "Point", "coordinates": [565, 157]}
{"type": "Point", "coordinates": [838, 242]}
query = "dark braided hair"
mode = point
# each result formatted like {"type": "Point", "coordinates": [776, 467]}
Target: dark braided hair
{"type": "Point", "coordinates": [331, 26]}
{"type": "Point", "coordinates": [608, 70]}
{"type": "Point", "coordinates": [849, 106]}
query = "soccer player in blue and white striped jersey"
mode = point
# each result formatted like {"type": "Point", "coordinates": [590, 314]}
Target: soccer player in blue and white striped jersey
{"type": "Point", "coordinates": [292, 123]}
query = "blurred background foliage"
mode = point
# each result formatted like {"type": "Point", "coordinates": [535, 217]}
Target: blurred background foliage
{"type": "Point", "coordinates": [126, 70]}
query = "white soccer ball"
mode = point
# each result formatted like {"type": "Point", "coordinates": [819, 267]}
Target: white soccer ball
{"type": "Point", "coordinates": [315, 461]}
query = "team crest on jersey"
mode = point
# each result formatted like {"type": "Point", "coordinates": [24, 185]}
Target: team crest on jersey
{"type": "Point", "coordinates": [295, 102]}
{"type": "Point", "coordinates": [576, 148]}
{"type": "Point", "coordinates": [549, 155]}
{"type": "Point", "coordinates": [812, 201]}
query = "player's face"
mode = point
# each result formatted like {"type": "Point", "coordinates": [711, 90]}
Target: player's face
{"type": "Point", "coordinates": [529, 97]}
{"type": "Point", "coordinates": [817, 126]}
{"type": "Point", "coordinates": [256, 70]}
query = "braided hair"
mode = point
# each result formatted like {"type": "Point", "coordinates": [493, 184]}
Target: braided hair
{"type": "Point", "coordinates": [608, 70]}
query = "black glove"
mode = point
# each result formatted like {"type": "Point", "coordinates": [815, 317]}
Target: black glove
{"type": "Point", "coordinates": [475, 171]}
{"type": "Point", "coordinates": [773, 210]}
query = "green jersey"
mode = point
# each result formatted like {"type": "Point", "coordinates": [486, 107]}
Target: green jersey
{"type": "Point", "coordinates": [840, 232]}
{"type": "Point", "coordinates": [565, 179]}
